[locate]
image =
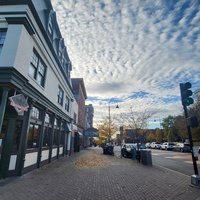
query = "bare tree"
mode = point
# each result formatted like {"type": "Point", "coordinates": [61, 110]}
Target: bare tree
{"type": "Point", "coordinates": [136, 120]}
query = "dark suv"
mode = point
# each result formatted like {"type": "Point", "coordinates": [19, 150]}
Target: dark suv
{"type": "Point", "coordinates": [126, 150]}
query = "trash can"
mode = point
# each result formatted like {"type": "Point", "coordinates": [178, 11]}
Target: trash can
{"type": "Point", "coordinates": [108, 149]}
{"type": "Point", "coordinates": [146, 158]}
{"type": "Point", "coordinates": [104, 150]}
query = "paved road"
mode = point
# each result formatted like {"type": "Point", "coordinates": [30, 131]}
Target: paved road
{"type": "Point", "coordinates": [177, 161]}
{"type": "Point", "coordinates": [122, 179]}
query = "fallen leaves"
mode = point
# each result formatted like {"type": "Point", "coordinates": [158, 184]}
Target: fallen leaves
{"type": "Point", "coordinates": [92, 160]}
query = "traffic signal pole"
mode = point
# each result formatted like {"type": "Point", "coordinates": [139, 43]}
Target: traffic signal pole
{"type": "Point", "coordinates": [191, 142]}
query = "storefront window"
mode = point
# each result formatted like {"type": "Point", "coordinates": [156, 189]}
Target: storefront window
{"type": "Point", "coordinates": [56, 137]}
{"type": "Point", "coordinates": [33, 136]}
{"type": "Point", "coordinates": [47, 136]}
{"type": "Point", "coordinates": [2, 134]}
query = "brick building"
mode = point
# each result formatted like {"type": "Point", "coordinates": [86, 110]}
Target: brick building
{"type": "Point", "coordinates": [80, 96]}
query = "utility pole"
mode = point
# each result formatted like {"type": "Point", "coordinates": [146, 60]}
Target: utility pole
{"type": "Point", "coordinates": [187, 100]}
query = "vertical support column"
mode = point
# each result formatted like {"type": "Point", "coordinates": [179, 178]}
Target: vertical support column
{"type": "Point", "coordinates": [22, 149]}
{"type": "Point", "coordinates": [191, 142]}
{"type": "Point", "coordinates": [69, 135]}
{"type": "Point", "coordinates": [2, 113]}
{"type": "Point", "coordinates": [109, 131]}
{"type": "Point", "coordinates": [51, 138]}
{"type": "Point", "coordinates": [5, 160]}
{"type": "Point", "coordinates": [3, 104]}
{"type": "Point", "coordinates": [59, 136]}
{"type": "Point", "coordinates": [41, 139]}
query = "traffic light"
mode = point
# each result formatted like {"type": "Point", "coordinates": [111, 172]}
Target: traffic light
{"type": "Point", "coordinates": [186, 94]}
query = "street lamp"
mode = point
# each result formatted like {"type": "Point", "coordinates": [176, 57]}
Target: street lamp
{"type": "Point", "coordinates": [109, 120]}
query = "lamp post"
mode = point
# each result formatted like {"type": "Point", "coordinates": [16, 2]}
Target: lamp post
{"type": "Point", "coordinates": [109, 120]}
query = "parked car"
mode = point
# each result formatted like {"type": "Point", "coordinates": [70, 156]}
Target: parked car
{"type": "Point", "coordinates": [155, 145]}
{"type": "Point", "coordinates": [126, 150]}
{"type": "Point", "coordinates": [183, 147]}
{"type": "Point", "coordinates": [167, 146]}
{"type": "Point", "coordinates": [148, 145]}
{"type": "Point", "coordinates": [142, 146]}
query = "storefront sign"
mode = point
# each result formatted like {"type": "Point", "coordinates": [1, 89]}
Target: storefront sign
{"type": "Point", "coordinates": [19, 103]}
{"type": "Point", "coordinates": [91, 132]}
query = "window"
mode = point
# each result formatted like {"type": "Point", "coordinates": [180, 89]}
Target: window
{"type": "Point", "coordinates": [2, 135]}
{"type": "Point", "coordinates": [75, 117]}
{"type": "Point", "coordinates": [56, 137]}
{"type": "Point", "coordinates": [50, 28]}
{"type": "Point", "coordinates": [33, 136]}
{"type": "Point", "coordinates": [60, 96]}
{"type": "Point", "coordinates": [67, 104]}
{"type": "Point", "coordinates": [47, 118]}
{"type": "Point", "coordinates": [56, 122]}
{"type": "Point", "coordinates": [37, 69]}
{"type": "Point", "coordinates": [50, 25]}
{"type": "Point", "coordinates": [47, 137]}
{"type": "Point", "coordinates": [2, 39]}
{"type": "Point", "coordinates": [67, 68]}
{"type": "Point", "coordinates": [35, 113]}
{"type": "Point", "coordinates": [60, 50]}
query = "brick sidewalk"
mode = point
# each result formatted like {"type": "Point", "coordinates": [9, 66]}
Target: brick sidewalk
{"type": "Point", "coordinates": [122, 179]}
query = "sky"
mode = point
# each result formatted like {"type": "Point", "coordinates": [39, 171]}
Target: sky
{"type": "Point", "coordinates": [133, 53]}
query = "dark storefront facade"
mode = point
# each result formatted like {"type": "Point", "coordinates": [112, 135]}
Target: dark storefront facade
{"type": "Point", "coordinates": [35, 87]}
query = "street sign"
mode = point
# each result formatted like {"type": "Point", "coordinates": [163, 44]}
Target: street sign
{"type": "Point", "coordinates": [91, 132]}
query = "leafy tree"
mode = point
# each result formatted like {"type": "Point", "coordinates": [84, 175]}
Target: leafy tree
{"type": "Point", "coordinates": [176, 126]}
{"type": "Point", "coordinates": [179, 128]}
{"type": "Point", "coordinates": [106, 129]}
{"type": "Point", "coordinates": [170, 136]}
{"type": "Point", "coordinates": [100, 140]}
{"type": "Point", "coordinates": [151, 137]}
{"type": "Point", "coordinates": [168, 123]}
{"type": "Point", "coordinates": [159, 137]}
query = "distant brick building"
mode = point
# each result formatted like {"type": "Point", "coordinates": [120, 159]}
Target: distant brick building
{"type": "Point", "coordinates": [80, 96]}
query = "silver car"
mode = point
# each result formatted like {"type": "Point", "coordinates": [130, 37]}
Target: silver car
{"type": "Point", "coordinates": [167, 146]}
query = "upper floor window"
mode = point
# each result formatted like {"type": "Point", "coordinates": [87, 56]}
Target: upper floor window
{"type": "Point", "coordinates": [2, 39]}
{"type": "Point", "coordinates": [60, 96]}
{"type": "Point", "coordinates": [50, 27]}
{"type": "Point", "coordinates": [75, 118]}
{"type": "Point", "coordinates": [67, 104]}
{"type": "Point", "coordinates": [60, 48]}
{"type": "Point", "coordinates": [37, 69]}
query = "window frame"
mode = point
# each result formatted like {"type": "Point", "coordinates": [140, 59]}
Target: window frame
{"type": "Point", "coordinates": [60, 96]}
{"type": "Point", "coordinates": [2, 38]}
{"type": "Point", "coordinates": [51, 24]}
{"type": "Point", "coordinates": [33, 142]}
{"type": "Point", "coordinates": [37, 69]}
{"type": "Point", "coordinates": [67, 103]}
